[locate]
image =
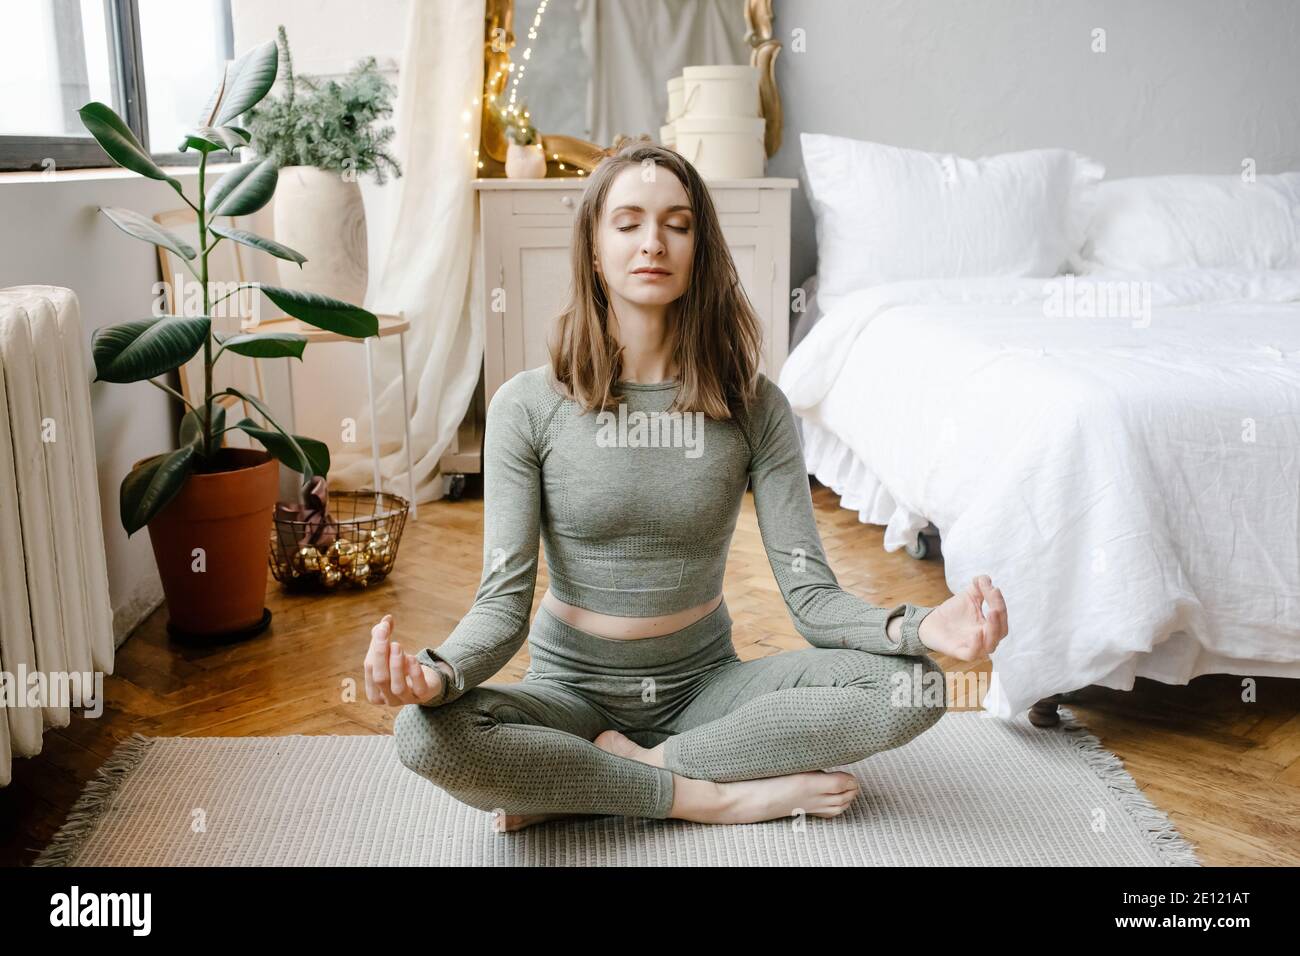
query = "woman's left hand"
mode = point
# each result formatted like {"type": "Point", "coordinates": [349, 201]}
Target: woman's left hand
{"type": "Point", "coordinates": [959, 627]}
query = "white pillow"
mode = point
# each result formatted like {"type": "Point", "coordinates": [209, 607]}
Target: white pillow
{"type": "Point", "coordinates": [885, 214]}
{"type": "Point", "coordinates": [1150, 223]}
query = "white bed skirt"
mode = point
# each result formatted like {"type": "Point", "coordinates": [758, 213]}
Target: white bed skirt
{"type": "Point", "coordinates": [1176, 660]}
{"type": "Point", "coordinates": [835, 466]}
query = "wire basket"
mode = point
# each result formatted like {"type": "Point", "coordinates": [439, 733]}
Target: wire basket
{"type": "Point", "coordinates": [355, 546]}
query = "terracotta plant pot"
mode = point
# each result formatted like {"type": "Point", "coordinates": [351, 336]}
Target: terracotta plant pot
{"type": "Point", "coordinates": [219, 591]}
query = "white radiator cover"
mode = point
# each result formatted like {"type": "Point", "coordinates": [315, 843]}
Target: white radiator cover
{"type": "Point", "coordinates": [55, 615]}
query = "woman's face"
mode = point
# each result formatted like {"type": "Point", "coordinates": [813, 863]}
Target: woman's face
{"type": "Point", "coordinates": [647, 223]}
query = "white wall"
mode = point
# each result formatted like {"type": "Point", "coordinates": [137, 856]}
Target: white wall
{"type": "Point", "coordinates": [1184, 85]}
{"type": "Point", "coordinates": [52, 234]}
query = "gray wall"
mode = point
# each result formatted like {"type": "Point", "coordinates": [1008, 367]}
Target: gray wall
{"type": "Point", "coordinates": [1184, 85]}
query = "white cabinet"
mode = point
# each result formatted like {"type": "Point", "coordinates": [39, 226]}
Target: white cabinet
{"type": "Point", "coordinates": [525, 228]}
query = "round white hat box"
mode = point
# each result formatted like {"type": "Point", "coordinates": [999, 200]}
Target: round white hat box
{"type": "Point", "coordinates": [668, 136]}
{"type": "Point", "coordinates": [720, 91]}
{"type": "Point", "coordinates": [676, 95]}
{"type": "Point", "coordinates": [723, 147]}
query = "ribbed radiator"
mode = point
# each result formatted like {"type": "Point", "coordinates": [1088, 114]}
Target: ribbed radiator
{"type": "Point", "coordinates": [56, 622]}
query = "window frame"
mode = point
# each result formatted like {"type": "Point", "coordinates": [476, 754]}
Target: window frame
{"type": "Point", "coordinates": [30, 153]}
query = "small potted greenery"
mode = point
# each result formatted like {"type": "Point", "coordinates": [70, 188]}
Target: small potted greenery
{"type": "Point", "coordinates": [208, 507]}
{"type": "Point", "coordinates": [323, 136]}
{"type": "Point", "coordinates": [525, 155]}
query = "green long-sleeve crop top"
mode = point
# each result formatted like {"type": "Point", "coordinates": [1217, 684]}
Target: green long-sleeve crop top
{"type": "Point", "coordinates": [637, 509]}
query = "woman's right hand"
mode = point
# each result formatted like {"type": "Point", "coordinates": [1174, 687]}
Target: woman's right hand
{"type": "Point", "coordinates": [394, 677]}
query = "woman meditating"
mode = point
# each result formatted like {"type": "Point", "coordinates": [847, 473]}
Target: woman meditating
{"type": "Point", "coordinates": [629, 454]}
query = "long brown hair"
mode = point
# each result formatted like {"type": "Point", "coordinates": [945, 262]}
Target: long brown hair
{"type": "Point", "coordinates": [714, 333]}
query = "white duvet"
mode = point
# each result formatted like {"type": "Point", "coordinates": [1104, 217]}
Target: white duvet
{"type": "Point", "coordinates": [1131, 481]}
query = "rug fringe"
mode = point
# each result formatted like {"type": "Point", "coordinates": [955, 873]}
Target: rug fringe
{"type": "Point", "coordinates": [1155, 825]}
{"type": "Point", "coordinates": [94, 800]}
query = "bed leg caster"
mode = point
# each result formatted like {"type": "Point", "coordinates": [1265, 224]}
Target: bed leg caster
{"type": "Point", "coordinates": [923, 547]}
{"type": "Point", "coordinates": [454, 487]}
{"type": "Point", "coordinates": [1043, 713]}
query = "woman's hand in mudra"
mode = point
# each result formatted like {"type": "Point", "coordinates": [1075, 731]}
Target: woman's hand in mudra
{"type": "Point", "coordinates": [394, 677]}
{"type": "Point", "coordinates": [959, 627]}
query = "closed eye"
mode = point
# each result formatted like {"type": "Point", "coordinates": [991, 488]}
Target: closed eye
{"type": "Point", "coordinates": [677, 228]}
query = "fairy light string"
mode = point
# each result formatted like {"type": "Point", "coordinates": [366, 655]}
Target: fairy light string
{"type": "Point", "coordinates": [511, 107]}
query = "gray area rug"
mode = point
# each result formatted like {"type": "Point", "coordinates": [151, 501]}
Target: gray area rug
{"type": "Point", "coordinates": [971, 791]}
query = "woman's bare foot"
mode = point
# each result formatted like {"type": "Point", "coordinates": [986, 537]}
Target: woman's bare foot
{"type": "Point", "coordinates": [818, 793]}
{"type": "Point", "coordinates": [507, 822]}
{"type": "Point", "coordinates": [616, 743]}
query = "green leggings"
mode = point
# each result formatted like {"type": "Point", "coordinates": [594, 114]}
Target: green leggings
{"type": "Point", "coordinates": [527, 747]}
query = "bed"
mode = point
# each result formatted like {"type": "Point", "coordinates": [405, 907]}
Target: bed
{"type": "Point", "coordinates": [1089, 388]}
{"type": "Point", "coordinates": [1129, 476]}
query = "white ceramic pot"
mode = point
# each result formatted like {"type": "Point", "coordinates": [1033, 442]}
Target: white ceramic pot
{"type": "Point", "coordinates": [321, 215]}
{"type": "Point", "coordinates": [525, 162]}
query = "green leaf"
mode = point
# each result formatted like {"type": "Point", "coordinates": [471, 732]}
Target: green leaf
{"type": "Point", "coordinates": [243, 190]}
{"type": "Point", "coordinates": [316, 453]}
{"type": "Point", "coordinates": [209, 139]}
{"type": "Point", "coordinates": [152, 485]}
{"type": "Point", "coordinates": [135, 351]}
{"type": "Point", "coordinates": [142, 227]}
{"type": "Point", "coordinates": [267, 344]}
{"type": "Point", "coordinates": [240, 131]}
{"type": "Point", "coordinates": [120, 143]}
{"type": "Point", "coordinates": [192, 425]}
{"type": "Point", "coordinates": [246, 238]}
{"type": "Point", "coordinates": [333, 315]}
{"type": "Point", "coordinates": [191, 141]}
{"type": "Point", "coordinates": [243, 84]}
{"type": "Point", "coordinates": [304, 463]}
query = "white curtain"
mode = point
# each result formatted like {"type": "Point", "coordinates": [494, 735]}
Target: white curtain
{"type": "Point", "coordinates": [636, 47]}
{"type": "Point", "coordinates": [427, 273]}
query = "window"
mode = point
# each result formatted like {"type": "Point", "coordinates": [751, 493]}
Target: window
{"type": "Point", "coordinates": [155, 62]}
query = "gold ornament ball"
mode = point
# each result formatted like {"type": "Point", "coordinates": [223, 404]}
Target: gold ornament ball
{"type": "Point", "coordinates": [330, 576]}
{"type": "Point", "coordinates": [380, 554]}
{"type": "Point", "coordinates": [342, 553]}
{"type": "Point", "coordinates": [307, 560]}
{"type": "Point", "coordinates": [359, 571]}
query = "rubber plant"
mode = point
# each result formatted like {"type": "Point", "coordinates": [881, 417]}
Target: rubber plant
{"type": "Point", "coordinates": [144, 349]}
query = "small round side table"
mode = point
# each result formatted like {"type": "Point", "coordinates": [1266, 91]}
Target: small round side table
{"type": "Point", "coordinates": [388, 325]}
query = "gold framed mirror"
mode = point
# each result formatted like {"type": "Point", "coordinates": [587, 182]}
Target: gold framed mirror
{"type": "Point", "coordinates": [568, 155]}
